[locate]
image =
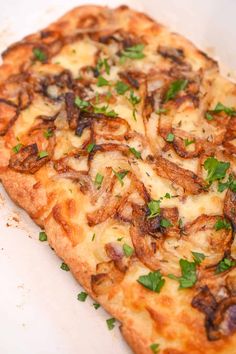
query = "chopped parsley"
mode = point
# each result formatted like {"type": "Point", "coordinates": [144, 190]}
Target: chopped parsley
{"type": "Point", "coordinates": [120, 175]}
{"type": "Point", "coordinates": [134, 52]}
{"type": "Point", "coordinates": [216, 170]}
{"type": "Point", "coordinates": [42, 236]}
{"type": "Point", "coordinates": [218, 109]}
{"type": "Point", "coordinates": [121, 88]}
{"type": "Point", "coordinates": [188, 277]}
{"type": "Point", "coordinates": [161, 110]}
{"type": "Point", "coordinates": [198, 257]}
{"type": "Point", "coordinates": [103, 63]}
{"type": "Point", "coordinates": [81, 103]}
{"type": "Point", "coordinates": [224, 265]}
{"type": "Point", "coordinates": [152, 281]}
{"type": "Point", "coordinates": [93, 238]}
{"type": "Point", "coordinates": [165, 223]}
{"type": "Point", "coordinates": [90, 147]}
{"type": "Point", "coordinates": [154, 208]}
{"type": "Point", "coordinates": [17, 148]}
{"type": "Point", "coordinates": [222, 224]}
{"type": "Point", "coordinates": [110, 323]}
{"type": "Point", "coordinates": [155, 348]}
{"type": "Point", "coordinates": [209, 116]}
{"type": "Point", "coordinates": [102, 81]}
{"type": "Point", "coordinates": [188, 142]}
{"type": "Point", "coordinates": [82, 296]}
{"type": "Point", "coordinates": [39, 54]}
{"type": "Point", "coordinates": [98, 180]}
{"type": "Point", "coordinates": [128, 251]}
{"type": "Point", "coordinates": [167, 196]}
{"type": "Point", "coordinates": [96, 305]}
{"type": "Point", "coordinates": [231, 184]}
{"type": "Point", "coordinates": [136, 153]}
{"type": "Point", "coordinates": [65, 267]}
{"type": "Point", "coordinates": [134, 100]}
{"type": "Point", "coordinates": [104, 110]}
{"type": "Point", "coordinates": [48, 133]}
{"type": "Point", "coordinates": [42, 154]}
{"type": "Point", "coordinates": [174, 89]}
{"type": "Point", "coordinates": [170, 137]}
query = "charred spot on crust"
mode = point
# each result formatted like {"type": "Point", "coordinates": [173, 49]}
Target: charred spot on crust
{"type": "Point", "coordinates": [175, 54]}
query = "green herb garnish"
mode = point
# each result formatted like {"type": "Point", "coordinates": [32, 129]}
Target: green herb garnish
{"type": "Point", "coordinates": [216, 170]}
{"type": "Point", "coordinates": [136, 153]}
{"type": "Point", "coordinates": [174, 89]}
{"type": "Point", "coordinates": [96, 305]}
{"type": "Point", "coordinates": [155, 348]}
{"type": "Point", "coordinates": [17, 148]}
{"type": "Point", "coordinates": [102, 81]}
{"type": "Point", "coordinates": [188, 277]}
{"type": "Point", "coordinates": [65, 267]}
{"type": "Point", "coordinates": [90, 147]}
{"type": "Point", "coordinates": [165, 223]}
{"type": "Point", "coordinates": [82, 296]}
{"type": "Point", "coordinates": [128, 251]}
{"type": "Point", "coordinates": [152, 281]}
{"type": "Point", "coordinates": [134, 52]}
{"type": "Point", "coordinates": [170, 137]}
{"type": "Point", "coordinates": [222, 224]}
{"type": "Point", "coordinates": [81, 103]}
{"type": "Point", "coordinates": [198, 257]}
{"type": "Point", "coordinates": [188, 142]}
{"type": "Point", "coordinates": [121, 88]}
{"type": "Point", "coordinates": [231, 184]}
{"type": "Point", "coordinates": [120, 175]}
{"type": "Point", "coordinates": [98, 180]}
{"type": "Point", "coordinates": [111, 323]}
{"type": "Point", "coordinates": [42, 236]}
{"type": "Point", "coordinates": [224, 265]}
{"type": "Point", "coordinates": [42, 154]}
{"type": "Point", "coordinates": [39, 54]}
{"type": "Point", "coordinates": [134, 100]}
{"type": "Point", "coordinates": [48, 133]}
{"type": "Point", "coordinates": [154, 208]}
{"type": "Point", "coordinates": [104, 110]}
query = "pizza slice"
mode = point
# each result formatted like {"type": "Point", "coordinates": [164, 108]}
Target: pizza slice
{"type": "Point", "coordinates": [118, 137]}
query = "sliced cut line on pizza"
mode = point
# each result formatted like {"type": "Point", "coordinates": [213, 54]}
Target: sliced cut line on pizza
{"type": "Point", "coordinates": [118, 137]}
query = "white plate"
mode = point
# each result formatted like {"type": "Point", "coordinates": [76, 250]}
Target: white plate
{"type": "Point", "coordinates": [39, 312]}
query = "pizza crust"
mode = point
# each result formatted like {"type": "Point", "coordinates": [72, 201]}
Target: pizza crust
{"type": "Point", "coordinates": [175, 323]}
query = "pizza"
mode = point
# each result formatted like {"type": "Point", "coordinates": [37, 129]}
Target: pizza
{"type": "Point", "coordinates": [118, 137]}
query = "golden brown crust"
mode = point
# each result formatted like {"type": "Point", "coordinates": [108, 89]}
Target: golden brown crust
{"type": "Point", "coordinates": [146, 317]}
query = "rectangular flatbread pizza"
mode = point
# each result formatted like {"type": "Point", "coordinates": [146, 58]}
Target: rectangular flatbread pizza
{"type": "Point", "coordinates": [118, 137]}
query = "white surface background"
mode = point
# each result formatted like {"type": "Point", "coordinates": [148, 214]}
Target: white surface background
{"type": "Point", "coordinates": [39, 312]}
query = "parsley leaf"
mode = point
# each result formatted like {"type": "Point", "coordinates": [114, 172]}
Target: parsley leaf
{"type": "Point", "coordinates": [209, 116]}
{"type": "Point", "coordinates": [128, 251]}
{"type": "Point", "coordinates": [155, 348]}
{"type": "Point", "coordinates": [39, 54]}
{"type": "Point", "coordinates": [48, 133]}
{"type": "Point", "coordinates": [134, 100]}
{"type": "Point", "coordinates": [174, 89]}
{"type": "Point", "coordinates": [42, 236]}
{"type": "Point", "coordinates": [82, 296]}
{"type": "Point", "coordinates": [65, 267]}
{"type": "Point", "coordinates": [102, 81]}
{"type": "Point", "coordinates": [188, 277]}
{"type": "Point", "coordinates": [161, 110]}
{"type": "Point", "coordinates": [165, 223]}
{"type": "Point", "coordinates": [167, 196]}
{"type": "Point", "coordinates": [222, 224]}
{"type": "Point", "coordinates": [93, 238]}
{"type": "Point", "coordinates": [231, 184]}
{"type": "Point", "coordinates": [154, 208]}
{"type": "Point", "coordinates": [198, 257]}
{"type": "Point", "coordinates": [42, 154]}
{"type": "Point", "coordinates": [152, 281]}
{"type": "Point", "coordinates": [136, 153]}
{"type": "Point", "coordinates": [111, 323]}
{"type": "Point", "coordinates": [96, 305]}
{"type": "Point", "coordinates": [103, 63]}
{"type": "Point", "coordinates": [17, 148]}
{"type": "Point", "coordinates": [120, 175]}
{"type": "Point", "coordinates": [98, 180]}
{"type": "Point", "coordinates": [104, 110]}
{"type": "Point", "coordinates": [222, 108]}
{"type": "Point", "coordinates": [215, 169]}
{"type": "Point", "coordinates": [90, 147]}
{"type": "Point", "coordinates": [188, 142]}
{"type": "Point", "coordinates": [134, 52]}
{"type": "Point", "coordinates": [121, 88]}
{"type": "Point", "coordinates": [224, 265]}
{"type": "Point", "coordinates": [170, 137]}
{"type": "Point", "coordinates": [81, 103]}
